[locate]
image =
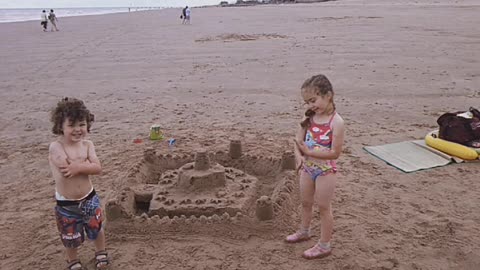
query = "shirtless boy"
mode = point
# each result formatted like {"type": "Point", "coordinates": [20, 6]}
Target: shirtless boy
{"type": "Point", "coordinates": [72, 159]}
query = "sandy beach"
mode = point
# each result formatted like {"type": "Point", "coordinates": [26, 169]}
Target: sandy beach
{"type": "Point", "coordinates": [235, 73]}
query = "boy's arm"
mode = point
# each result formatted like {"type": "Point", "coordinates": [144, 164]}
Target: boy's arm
{"type": "Point", "coordinates": [88, 167]}
{"type": "Point", "coordinates": [92, 165]}
{"type": "Point", "coordinates": [57, 155]}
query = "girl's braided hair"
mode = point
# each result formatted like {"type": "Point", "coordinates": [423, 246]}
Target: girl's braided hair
{"type": "Point", "coordinates": [318, 85]}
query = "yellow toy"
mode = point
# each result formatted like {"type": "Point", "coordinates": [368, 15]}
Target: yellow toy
{"type": "Point", "coordinates": [451, 148]}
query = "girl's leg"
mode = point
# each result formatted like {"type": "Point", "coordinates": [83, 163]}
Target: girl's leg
{"type": "Point", "coordinates": [307, 191]}
{"type": "Point", "coordinates": [324, 191]}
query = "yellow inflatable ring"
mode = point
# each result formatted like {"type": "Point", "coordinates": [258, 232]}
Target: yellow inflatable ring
{"type": "Point", "coordinates": [451, 148]}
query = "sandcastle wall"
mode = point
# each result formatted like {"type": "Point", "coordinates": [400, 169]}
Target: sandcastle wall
{"type": "Point", "coordinates": [149, 172]}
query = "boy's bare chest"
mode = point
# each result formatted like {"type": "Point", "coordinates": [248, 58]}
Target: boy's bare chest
{"type": "Point", "coordinates": [77, 153]}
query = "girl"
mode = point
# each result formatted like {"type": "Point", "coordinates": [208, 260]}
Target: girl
{"type": "Point", "coordinates": [318, 144]}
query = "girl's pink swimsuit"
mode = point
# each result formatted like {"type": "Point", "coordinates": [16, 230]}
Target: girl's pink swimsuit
{"type": "Point", "coordinates": [319, 138]}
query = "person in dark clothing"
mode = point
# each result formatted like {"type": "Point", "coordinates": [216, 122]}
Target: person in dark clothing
{"type": "Point", "coordinates": [184, 15]}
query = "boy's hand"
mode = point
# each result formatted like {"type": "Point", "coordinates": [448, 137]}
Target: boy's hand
{"type": "Point", "coordinates": [72, 169]}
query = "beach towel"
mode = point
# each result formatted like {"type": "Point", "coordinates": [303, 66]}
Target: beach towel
{"type": "Point", "coordinates": [411, 156]}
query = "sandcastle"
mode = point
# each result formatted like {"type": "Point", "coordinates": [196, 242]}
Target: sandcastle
{"type": "Point", "coordinates": [202, 188]}
{"type": "Point", "coordinates": [209, 187]}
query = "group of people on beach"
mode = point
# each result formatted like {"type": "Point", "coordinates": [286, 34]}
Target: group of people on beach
{"type": "Point", "coordinates": [72, 158]}
{"type": "Point", "coordinates": [50, 17]}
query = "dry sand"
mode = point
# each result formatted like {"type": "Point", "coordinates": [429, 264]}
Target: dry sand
{"type": "Point", "coordinates": [235, 73]}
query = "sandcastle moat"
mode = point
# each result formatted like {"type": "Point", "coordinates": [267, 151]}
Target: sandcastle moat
{"type": "Point", "coordinates": [209, 186]}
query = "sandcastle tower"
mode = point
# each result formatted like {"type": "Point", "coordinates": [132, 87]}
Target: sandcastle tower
{"type": "Point", "coordinates": [200, 174]}
{"type": "Point", "coordinates": [264, 208]}
{"type": "Point", "coordinates": [288, 161]}
{"type": "Point", "coordinates": [202, 161]}
{"type": "Point", "coordinates": [235, 149]}
{"type": "Point", "coordinates": [149, 155]}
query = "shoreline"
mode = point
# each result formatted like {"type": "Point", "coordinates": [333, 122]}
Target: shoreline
{"type": "Point", "coordinates": [431, 3]}
{"type": "Point", "coordinates": [99, 13]}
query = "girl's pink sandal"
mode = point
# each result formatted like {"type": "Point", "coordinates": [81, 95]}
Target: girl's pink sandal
{"type": "Point", "coordinates": [316, 252]}
{"type": "Point", "coordinates": [298, 236]}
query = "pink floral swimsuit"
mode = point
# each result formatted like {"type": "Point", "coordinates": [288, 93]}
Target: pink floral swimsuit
{"type": "Point", "coordinates": [319, 138]}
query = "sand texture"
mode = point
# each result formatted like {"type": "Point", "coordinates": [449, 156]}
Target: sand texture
{"type": "Point", "coordinates": [228, 85]}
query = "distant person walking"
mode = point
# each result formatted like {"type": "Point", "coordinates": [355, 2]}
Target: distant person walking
{"type": "Point", "coordinates": [53, 19]}
{"type": "Point", "coordinates": [187, 15]}
{"type": "Point", "coordinates": [44, 20]}
{"type": "Point", "coordinates": [184, 15]}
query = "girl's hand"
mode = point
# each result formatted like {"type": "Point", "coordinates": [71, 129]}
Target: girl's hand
{"type": "Point", "coordinates": [303, 148]}
{"type": "Point", "coordinates": [299, 159]}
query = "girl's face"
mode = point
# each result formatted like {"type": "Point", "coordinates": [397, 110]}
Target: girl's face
{"type": "Point", "coordinates": [74, 132]}
{"type": "Point", "coordinates": [318, 104]}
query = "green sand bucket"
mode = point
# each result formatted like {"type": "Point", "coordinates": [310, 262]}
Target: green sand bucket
{"type": "Point", "coordinates": [156, 133]}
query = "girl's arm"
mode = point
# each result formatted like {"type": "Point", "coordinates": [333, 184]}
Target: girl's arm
{"type": "Point", "coordinates": [338, 136]}
{"type": "Point", "coordinates": [299, 157]}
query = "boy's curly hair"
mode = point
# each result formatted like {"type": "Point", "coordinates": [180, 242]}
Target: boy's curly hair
{"type": "Point", "coordinates": [73, 109]}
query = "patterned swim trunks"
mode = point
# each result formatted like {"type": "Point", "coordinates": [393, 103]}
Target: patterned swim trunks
{"type": "Point", "coordinates": [75, 218]}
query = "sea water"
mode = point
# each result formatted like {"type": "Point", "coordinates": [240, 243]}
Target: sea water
{"type": "Point", "coordinates": [27, 14]}
{"type": "Point", "coordinates": [33, 14]}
